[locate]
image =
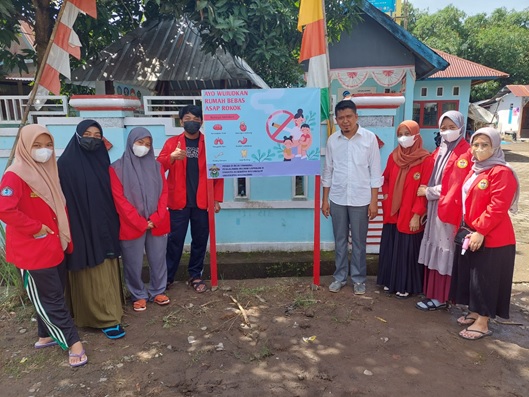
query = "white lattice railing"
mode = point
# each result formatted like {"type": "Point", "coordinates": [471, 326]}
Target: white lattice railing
{"type": "Point", "coordinates": [12, 107]}
{"type": "Point", "coordinates": [167, 105]}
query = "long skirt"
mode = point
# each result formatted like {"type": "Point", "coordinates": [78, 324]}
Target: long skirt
{"type": "Point", "coordinates": [95, 295]}
{"type": "Point", "coordinates": [483, 280]}
{"type": "Point", "coordinates": [385, 257]}
{"type": "Point", "coordinates": [406, 271]}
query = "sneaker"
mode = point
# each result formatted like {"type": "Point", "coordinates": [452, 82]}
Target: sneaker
{"type": "Point", "coordinates": [359, 288]}
{"type": "Point", "coordinates": [336, 286]}
{"type": "Point", "coordinates": [161, 299]}
{"type": "Point", "coordinates": [140, 305]}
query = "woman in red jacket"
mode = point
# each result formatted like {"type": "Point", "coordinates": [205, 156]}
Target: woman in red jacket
{"type": "Point", "coordinates": [408, 167]}
{"type": "Point", "coordinates": [32, 206]}
{"type": "Point", "coordinates": [443, 192]}
{"type": "Point", "coordinates": [139, 189]}
{"type": "Point", "coordinates": [482, 276]}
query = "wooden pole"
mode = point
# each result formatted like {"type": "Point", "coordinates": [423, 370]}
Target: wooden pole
{"type": "Point", "coordinates": [33, 93]}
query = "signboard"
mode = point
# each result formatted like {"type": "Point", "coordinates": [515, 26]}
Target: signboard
{"type": "Point", "coordinates": [274, 132]}
{"type": "Point", "coordinates": [385, 5]}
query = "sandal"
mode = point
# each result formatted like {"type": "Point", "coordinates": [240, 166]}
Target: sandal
{"type": "Point", "coordinates": [115, 332]}
{"type": "Point", "coordinates": [430, 305]}
{"type": "Point", "coordinates": [480, 334]}
{"type": "Point", "coordinates": [466, 320]}
{"type": "Point", "coordinates": [161, 299]}
{"type": "Point", "coordinates": [80, 355]}
{"type": "Point", "coordinates": [197, 284]}
{"type": "Point", "coordinates": [140, 305]}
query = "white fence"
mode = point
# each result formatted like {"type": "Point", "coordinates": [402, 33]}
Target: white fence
{"type": "Point", "coordinates": [168, 105]}
{"type": "Point", "coordinates": [12, 107]}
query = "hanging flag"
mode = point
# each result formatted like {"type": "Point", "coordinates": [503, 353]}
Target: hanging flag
{"type": "Point", "coordinates": [314, 48]}
{"type": "Point", "coordinates": [65, 43]}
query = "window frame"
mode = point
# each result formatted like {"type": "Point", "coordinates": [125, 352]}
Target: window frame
{"type": "Point", "coordinates": [439, 110]}
{"type": "Point", "coordinates": [424, 92]}
{"type": "Point", "coordinates": [458, 90]}
{"type": "Point", "coordinates": [304, 196]}
{"type": "Point", "coordinates": [437, 94]}
{"type": "Point", "coordinates": [236, 196]}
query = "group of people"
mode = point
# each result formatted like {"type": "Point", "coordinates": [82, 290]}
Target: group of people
{"type": "Point", "coordinates": [427, 199]}
{"type": "Point", "coordinates": [68, 222]}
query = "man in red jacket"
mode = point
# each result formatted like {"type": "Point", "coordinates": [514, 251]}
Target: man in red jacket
{"type": "Point", "coordinates": [184, 157]}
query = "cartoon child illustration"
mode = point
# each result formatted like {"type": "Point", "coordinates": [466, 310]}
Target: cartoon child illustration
{"type": "Point", "coordinates": [296, 131]}
{"type": "Point", "coordinates": [287, 151]}
{"type": "Point", "coordinates": [305, 141]}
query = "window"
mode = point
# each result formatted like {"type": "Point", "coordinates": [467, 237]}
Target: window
{"type": "Point", "coordinates": [427, 113]}
{"type": "Point", "coordinates": [299, 188]}
{"type": "Point", "coordinates": [424, 91]}
{"type": "Point", "coordinates": [242, 188]}
{"type": "Point", "coordinates": [440, 91]}
{"type": "Point", "coordinates": [455, 91]}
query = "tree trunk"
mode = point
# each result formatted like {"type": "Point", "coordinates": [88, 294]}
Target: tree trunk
{"type": "Point", "coordinates": [43, 27]}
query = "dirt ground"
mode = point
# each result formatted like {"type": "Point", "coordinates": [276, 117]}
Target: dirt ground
{"type": "Point", "coordinates": [294, 341]}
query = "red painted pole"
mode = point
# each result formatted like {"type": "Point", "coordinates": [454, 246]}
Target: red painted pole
{"type": "Point", "coordinates": [212, 235]}
{"type": "Point", "coordinates": [316, 266]}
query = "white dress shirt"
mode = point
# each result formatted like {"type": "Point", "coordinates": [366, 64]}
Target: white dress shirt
{"type": "Point", "coordinates": [352, 168]}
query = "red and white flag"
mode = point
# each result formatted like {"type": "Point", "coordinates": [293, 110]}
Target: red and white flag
{"type": "Point", "coordinates": [65, 43]}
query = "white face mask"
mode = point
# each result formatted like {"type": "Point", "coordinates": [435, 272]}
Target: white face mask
{"type": "Point", "coordinates": [41, 155]}
{"type": "Point", "coordinates": [406, 141]}
{"type": "Point", "coordinates": [450, 135]}
{"type": "Point", "coordinates": [140, 150]}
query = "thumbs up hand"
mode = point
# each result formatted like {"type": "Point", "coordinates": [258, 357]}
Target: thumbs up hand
{"type": "Point", "coordinates": [178, 153]}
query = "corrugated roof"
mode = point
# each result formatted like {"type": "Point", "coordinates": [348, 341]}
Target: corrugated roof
{"type": "Point", "coordinates": [461, 68]}
{"type": "Point", "coordinates": [519, 90]}
{"type": "Point", "coordinates": [167, 50]}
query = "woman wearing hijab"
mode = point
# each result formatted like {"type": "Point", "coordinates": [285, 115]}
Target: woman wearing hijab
{"type": "Point", "coordinates": [37, 233]}
{"type": "Point", "coordinates": [140, 193]}
{"type": "Point", "coordinates": [482, 275]}
{"type": "Point", "coordinates": [408, 167]}
{"type": "Point", "coordinates": [452, 161]}
{"type": "Point", "coordinates": [94, 275]}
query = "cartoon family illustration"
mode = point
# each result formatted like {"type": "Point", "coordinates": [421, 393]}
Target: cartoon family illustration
{"type": "Point", "coordinates": [300, 139]}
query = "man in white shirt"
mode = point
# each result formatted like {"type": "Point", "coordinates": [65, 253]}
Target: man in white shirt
{"type": "Point", "coordinates": [351, 179]}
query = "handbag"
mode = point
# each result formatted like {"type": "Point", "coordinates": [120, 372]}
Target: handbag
{"type": "Point", "coordinates": [462, 233]}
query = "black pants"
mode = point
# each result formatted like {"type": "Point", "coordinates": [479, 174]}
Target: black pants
{"type": "Point", "coordinates": [180, 220]}
{"type": "Point", "coordinates": [45, 288]}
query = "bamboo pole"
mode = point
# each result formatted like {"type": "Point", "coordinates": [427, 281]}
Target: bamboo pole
{"type": "Point", "coordinates": [33, 93]}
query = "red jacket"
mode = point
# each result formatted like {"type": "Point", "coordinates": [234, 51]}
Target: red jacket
{"type": "Point", "coordinates": [459, 164]}
{"type": "Point", "coordinates": [24, 213]}
{"type": "Point", "coordinates": [487, 206]}
{"type": "Point", "coordinates": [411, 204]}
{"type": "Point", "coordinates": [131, 224]}
{"type": "Point", "coordinates": [176, 179]}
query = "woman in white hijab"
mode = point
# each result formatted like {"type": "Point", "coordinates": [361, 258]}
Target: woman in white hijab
{"type": "Point", "coordinates": [482, 274]}
{"type": "Point", "coordinates": [452, 164]}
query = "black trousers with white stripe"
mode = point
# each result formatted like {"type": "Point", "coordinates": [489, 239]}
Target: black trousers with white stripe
{"type": "Point", "coordinates": [45, 288]}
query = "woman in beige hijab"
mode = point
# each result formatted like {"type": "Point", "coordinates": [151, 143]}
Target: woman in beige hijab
{"type": "Point", "coordinates": [32, 206]}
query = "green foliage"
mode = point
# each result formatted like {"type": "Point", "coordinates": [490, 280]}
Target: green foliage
{"type": "Point", "coordinates": [498, 40]}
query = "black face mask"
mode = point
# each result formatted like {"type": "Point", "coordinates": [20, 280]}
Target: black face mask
{"type": "Point", "coordinates": [192, 127]}
{"type": "Point", "coordinates": [89, 144]}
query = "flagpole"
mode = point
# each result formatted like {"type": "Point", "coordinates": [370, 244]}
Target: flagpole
{"type": "Point", "coordinates": [33, 93]}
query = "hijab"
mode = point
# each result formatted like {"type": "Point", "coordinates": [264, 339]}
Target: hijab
{"type": "Point", "coordinates": [42, 178]}
{"type": "Point", "coordinates": [497, 158]}
{"type": "Point", "coordinates": [85, 181]}
{"type": "Point", "coordinates": [446, 148]}
{"type": "Point", "coordinates": [405, 158]}
{"type": "Point", "coordinates": [140, 176]}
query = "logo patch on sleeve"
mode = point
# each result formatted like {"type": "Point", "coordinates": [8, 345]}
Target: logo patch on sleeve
{"type": "Point", "coordinates": [6, 192]}
{"type": "Point", "coordinates": [463, 163]}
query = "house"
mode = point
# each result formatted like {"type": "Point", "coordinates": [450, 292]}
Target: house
{"type": "Point", "coordinates": [510, 107]}
{"type": "Point", "coordinates": [448, 89]}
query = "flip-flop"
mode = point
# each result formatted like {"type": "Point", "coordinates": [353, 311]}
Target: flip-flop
{"type": "Point", "coordinates": [43, 345]}
{"type": "Point", "coordinates": [466, 317]}
{"type": "Point", "coordinates": [481, 334]}
{"type": "Point", "coordinates": [114, 332]}
{"type": "Point", "coordinates": [80, 355]}
{"type": "Point", "coordinates": [428, 305]}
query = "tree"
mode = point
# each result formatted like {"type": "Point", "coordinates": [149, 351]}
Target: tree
{"type": "Point", "coordinates": [263, 32]}
{"type": "Point", "coordinates": [498, 41]}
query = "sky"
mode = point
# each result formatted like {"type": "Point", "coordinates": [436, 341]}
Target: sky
{"type": "Point", "coordinates": [470, 7]}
